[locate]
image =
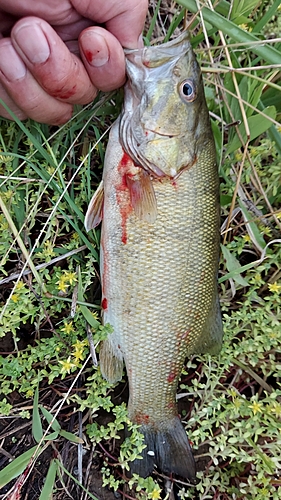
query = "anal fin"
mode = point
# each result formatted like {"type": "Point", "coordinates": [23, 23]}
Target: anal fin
{"type": "Point", "coordinates": [95, 209]}
{"type": "Point", "coordinates": [111, 363]}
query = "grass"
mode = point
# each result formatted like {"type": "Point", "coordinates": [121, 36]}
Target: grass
{"type": "Point", "coordinates": [49, 317]}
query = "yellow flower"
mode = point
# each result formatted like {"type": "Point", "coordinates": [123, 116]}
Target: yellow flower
{"type": "Point", "coordinates": [246, 238]}
{"type": "Point", "coordinates": [66, 365]}
{"type": "Point", "coordinates": [75, 237]}
{"type": "Point", "coordinates": [15, 297]}
{"type": "Point", "coordinates": [62, 286]}
{"type": "Point", "coordinates": [19, 285]}
{"type": "Point", "coordinates": [273, 287]}
{"type": "Point", "coordinates": [276, 409]}
{"type": "Point", "coordinates": [256, 407]}
{"type": "Point", "coordinates": [78, 355]}
{"type": "Point", "coordinates": [68, 327]}
{"type": "Point", "coordinates": [156, 494]}
{"type": "Point", "coordinates": [78, 346]}
{"type": "Point", "coordinates": [70, 277]}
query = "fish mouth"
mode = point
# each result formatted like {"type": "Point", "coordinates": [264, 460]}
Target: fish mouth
{"type": "Point", "coordinates": [163, 134]}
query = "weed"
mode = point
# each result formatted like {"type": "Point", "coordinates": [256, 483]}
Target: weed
{"type": "Point", "coordinates": [49, 316]}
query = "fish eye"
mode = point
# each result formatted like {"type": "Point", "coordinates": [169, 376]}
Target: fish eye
{"type": "Point", "coordinates": [187, 91]}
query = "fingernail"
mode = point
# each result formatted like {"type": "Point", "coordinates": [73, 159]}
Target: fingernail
{"type": "Point", "coordinates": [11, 64]}
{"type": "Point", "coordinates": [32, 41]}
{"type": "Point", "coordinates": [95, 49]}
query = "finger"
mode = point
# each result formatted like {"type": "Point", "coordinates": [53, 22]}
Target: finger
{"type": "Point", "coordinates": [125, 20]}
{"type": "Point", "coordinates": [25, 94]}
{"type": "Point", "coordinates": [54, 12]}
{"type": "Point", "coordinates": [103, 57]}
{"type": "Point", "coordinates": [60, 73]}
{"type": "Point", "coordinates": [11, 104]}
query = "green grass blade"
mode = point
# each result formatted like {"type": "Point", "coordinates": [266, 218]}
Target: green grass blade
{"type": "Point", "coordinates": [30, 136]}
{"type": "Point", "coordinates": [47, 491]}
{"type": "Point", "coordinates": [258, 124]}
{"type": "Point", "coordinates": [50, 419]}
{"type": "Point", "coordinates": [89, 495]}
{"type": "Point", "coordinates": [16, 467]}
{"type": "Point", "coordinates": [71, 437]}
{"type": "Point", "coordinates": [267, 15]}
{"type": "Point", "coordinates": [37, 430]}
{"type": "Point", "coordinates": [153, 21]}
{"type": "Point", "coordinates": [268, 53]}
{"type": "Point", "coordinates": [84, 309]}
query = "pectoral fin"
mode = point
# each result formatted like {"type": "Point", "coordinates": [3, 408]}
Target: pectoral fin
{"type": "Point", "coordinates": [94, 213]}
{"type": "Point", "coordinates": [142, 196]}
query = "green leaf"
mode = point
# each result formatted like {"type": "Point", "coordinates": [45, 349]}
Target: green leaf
{"type": "Point", "coordinates": [47, 491]}
{"type": "Point", "coordinates": [233, 265]}
{"type": "Point", "coordinates": [93, 322]}
{"type": "Point", "coordinates": [17, 466]}
{"type": "Point", "coordinates": [258, 124]}
{"type": "Point", "coordinates": [71, 437]}
{"type": "Point", "coordinates": [37, 430]}
{"type": "Point", "coordinates": [243, 8]}
{"type": "Point", "coordinates": [253, 229]}
{"type": "Point", "coordinates": [269, 54]}
{"type": "Point", "coordinates": [50, 419]}
{"type": "Point", "coordinates": [52, 436]}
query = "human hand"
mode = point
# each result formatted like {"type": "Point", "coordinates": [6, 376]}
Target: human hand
{"type": "Point", "coordinates": [52, 56]}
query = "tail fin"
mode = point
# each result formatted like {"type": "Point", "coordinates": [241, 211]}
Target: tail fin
{"type": "Point", "coordinates": [168, 448]}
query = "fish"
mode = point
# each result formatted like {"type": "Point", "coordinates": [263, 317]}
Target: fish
{"type": "Point", "coordinates": [159, 206]}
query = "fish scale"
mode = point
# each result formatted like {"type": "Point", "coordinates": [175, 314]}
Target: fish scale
{"type": "Point", "coordinates": [159, 248]}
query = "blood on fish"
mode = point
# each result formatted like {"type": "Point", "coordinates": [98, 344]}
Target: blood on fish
{"type": "Point", "coordinates": [171, 377]}
{"type": "Point", "coordinates": [140, 419]}
{"type": "Point", "coordinates": [123, 195]}
{"type": "Point", "coordinates": [104, 303]}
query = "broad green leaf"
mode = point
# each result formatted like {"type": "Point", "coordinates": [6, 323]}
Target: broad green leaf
{"type": "Point", "coordinates": [50, 419]}
{"type": "Point", "coordinates": [258, 124]}
{"type": "Point", "coordinates": [52, 436]}
{"type": "Point", "coordinates": [71, 437]}
{"type": "Point", "coordinates": [37, 430]}
{"type": "Point", "coordinates": [16, 467]}
{"type": "Point", "coordinates": [47, 491]}
{"type": "Point", "coordinates": [233, 265]}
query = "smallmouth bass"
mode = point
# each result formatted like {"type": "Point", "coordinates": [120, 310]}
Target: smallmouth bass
{"type": "Point", "coordinates": [159, 205]}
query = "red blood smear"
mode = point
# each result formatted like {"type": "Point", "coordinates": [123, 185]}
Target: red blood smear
{"type": "Point", "coordinates": [104, 303]}
{"type": "Point", "coordinates": [140, 419]}
{"type": "Point", "coordinates": [123, 194]}
{"type": "Point", "coordinates": [171, 377]}
{"type": "Point", "coordinates": [89, 55]}
{"type": "Point", "coordinates": [64, 94]}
